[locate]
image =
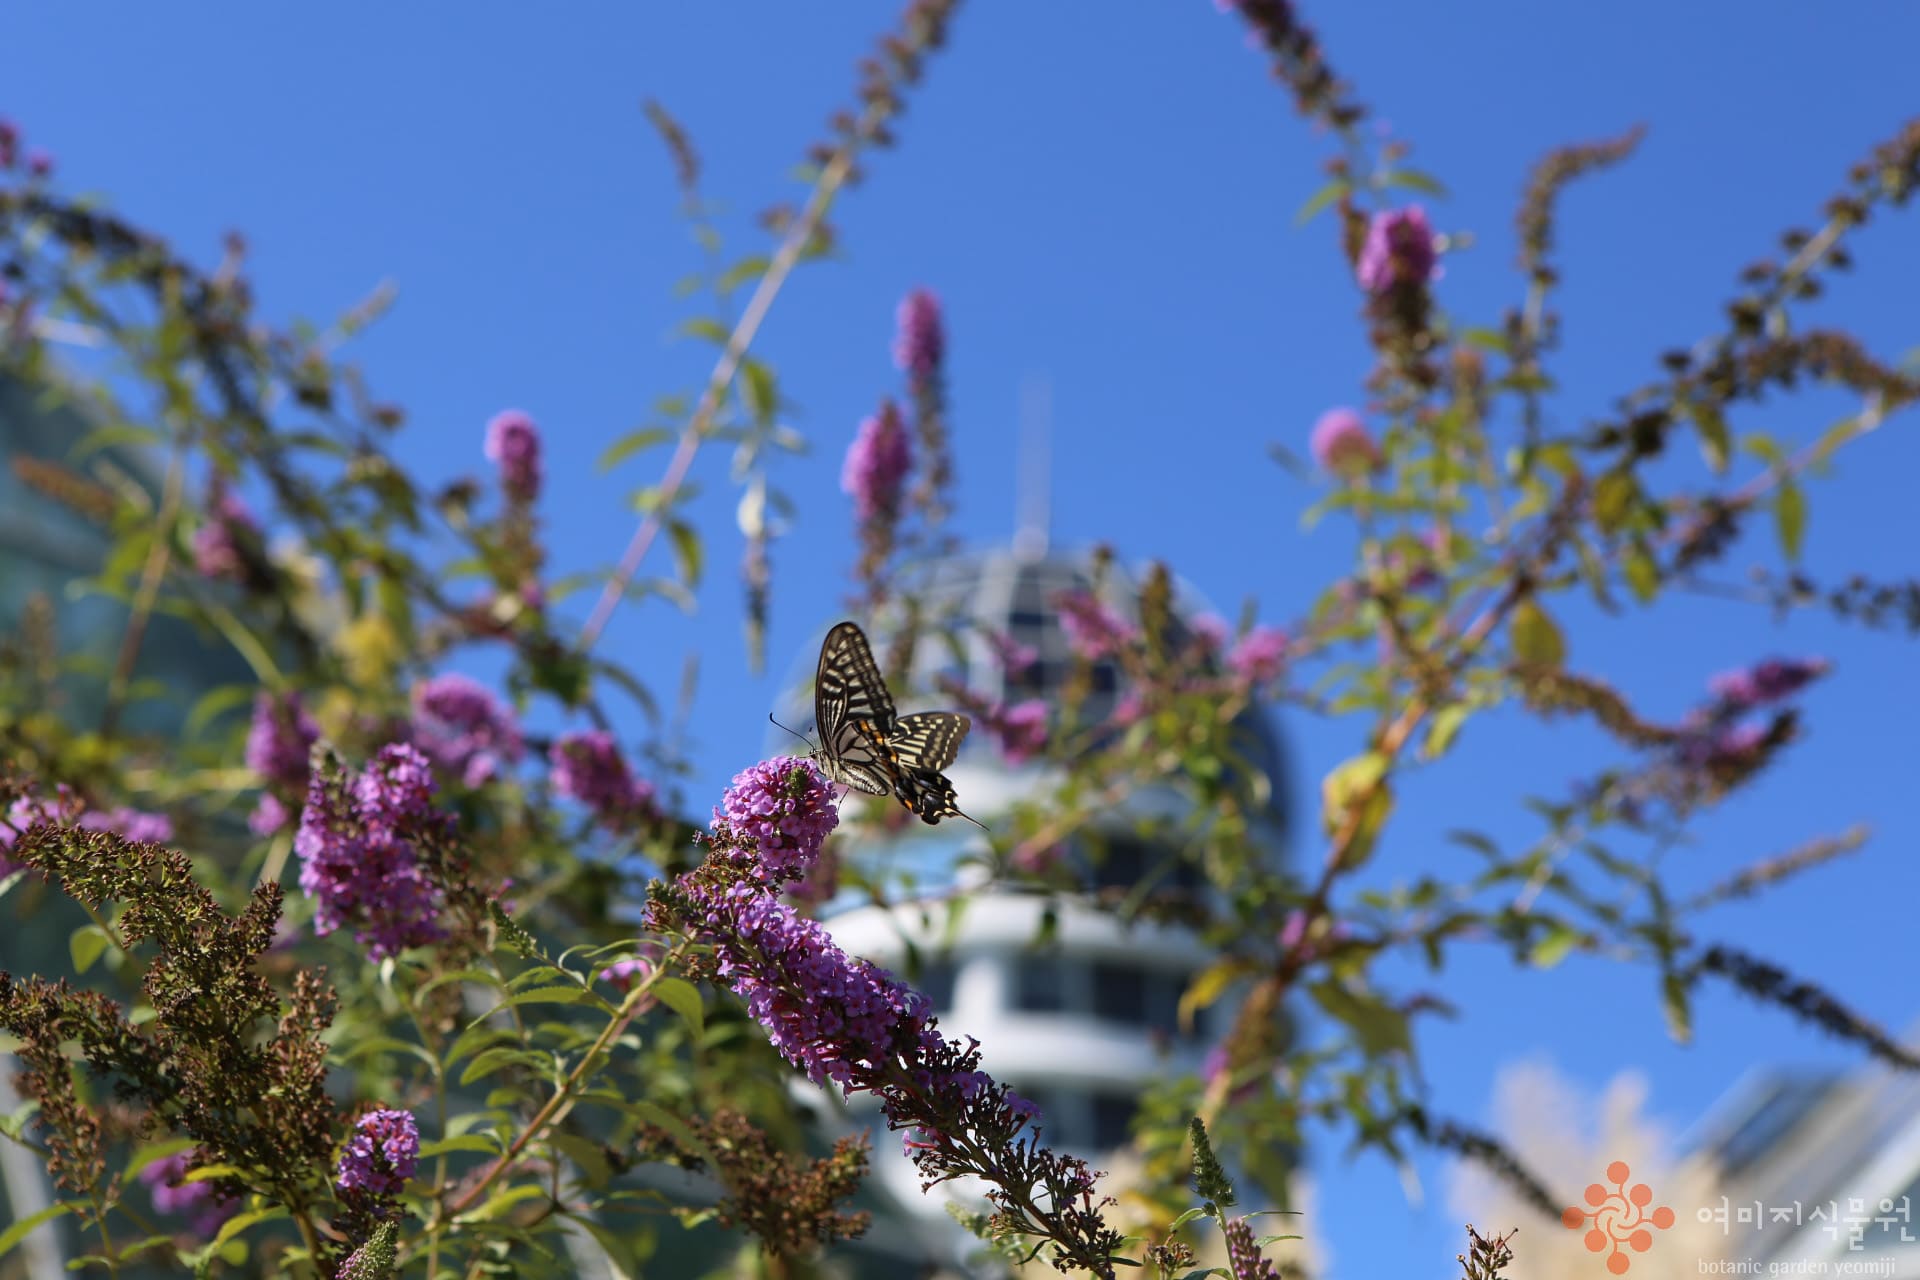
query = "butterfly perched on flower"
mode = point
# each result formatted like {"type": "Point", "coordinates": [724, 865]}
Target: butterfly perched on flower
{"type": "Point", "coordinates": [866, 746]}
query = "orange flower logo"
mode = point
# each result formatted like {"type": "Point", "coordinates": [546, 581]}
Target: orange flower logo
{"type": "Point", "coordinates": [1618, 1217]}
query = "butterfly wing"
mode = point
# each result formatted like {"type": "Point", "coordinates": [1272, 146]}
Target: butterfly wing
{"type": "Point", "coordinates": [854, 713]}
{"type": "Point", "coordinates": [930, 739]}
{"type": "Point", "coordinates": [929, 794]}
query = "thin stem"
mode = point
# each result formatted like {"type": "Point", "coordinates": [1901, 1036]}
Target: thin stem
{"type": "Point", "coordinates": [151, 575]}
{"type": "Point", "coordinates": [798, 237]}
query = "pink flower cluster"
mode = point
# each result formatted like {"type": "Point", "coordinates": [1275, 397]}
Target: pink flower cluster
{"type": "Point", "coordinates": [1398, 253]}
{"type": "Point", "coordinates": [877, 465]}
{"type": "Point", "coordinates": [463, 728]}
{"type": "Point", "coordinates": [588, 767]}
{"type": "Point", "coordinates": [513, 445]}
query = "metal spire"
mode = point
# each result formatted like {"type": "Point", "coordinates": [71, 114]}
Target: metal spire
{"type": "Point", "coordinates": [1032, 488]}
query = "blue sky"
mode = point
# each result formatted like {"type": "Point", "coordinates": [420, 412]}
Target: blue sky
{"type": "Point", "coordinates": [1106, 201]}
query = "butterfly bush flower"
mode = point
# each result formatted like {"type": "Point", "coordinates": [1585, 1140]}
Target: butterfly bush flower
{"type": "Point", "coordinates": [1022, 730]}
{"type": "Point", "coordinates": [1259, 656]}
{"type": "Point", "coordinates": [170, 1195]}
{"type": "Point", "coordinates": [1244, 1258]}
{"type": "Point", "coordinates": [1340, 443]}
{"type": "Point", "coordinates": [9, 143]}
{"type": "Point", "coordinates": [623, 974]}
{"type": "Point", "coordinates": [1015, 659]}
{"type": "Point", "coordinates": [135, 825]}
{"type": "Point", "coordinates": [1766, 682]}
{"type": "Point", "coordinates": [373, 1260]}
{"type": "Point", "coordinates": [513, 445]}
{"type": "Point", "coordinates": [40, 163]}
{"type": "Point", "coordinates": [382, 1154]}
{"type": "Point", "coordinates": [921, 340]}
{"type": "Point", "coordinates": [848, 1021]}
{"type": "Point", "coordinates": [588, 767]}
{"type": "Point", "coordinates": [1398, 252]}
{"type": "Point", "coordinates": [219, 550]}
{"type": "Point", "coordinates": [785, 808]}
{"type": "Point", "coordinates": [31, 811]}
{"type": "Point", "coordinates": [280, 739]}
{"type": "Point", "coordinates": [464, 729]}
{"type": "Point", "coordinates": [358, 845]}
{"type": "Point", "coordinates": [877, 465]}
{"type": "Point", "coordinates": [1094, 631]}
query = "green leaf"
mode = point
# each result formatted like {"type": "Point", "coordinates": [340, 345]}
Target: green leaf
{"type": "Point", "coordinates": [1551, 949]}
{"type": "Point", "coordinates": [703, 327]}
{"type": "Point", "coordinates": [553, 995]}
{"type": "Point", "coordinates": [211, 703]}
{"type": "Point", "coordinates": [1716, 442]}
{"type": "Point", "coordinates": [86, 946]}
{"type": "Point", "coordinates": [1320, 200]}
{"type": "Point", "coordinates": [742, 271]}
{"type": "Point", "coordinates": [1536, 638]}
{"type": "Point", "coordinates": [1790, 518]}
{"type": "Point", "coordinates": [1414, 180]}
{"type": "Point", "coordinates": [1613, 499]}
{"type": "Point", "coordinates": [234, 1226]}
{"type": "Point", "coordinates": [19, 1231]}
{"type": "Point", "coordinates": [633, 442]}
{"type": "Point", "coordinates": [683, 998]}
{"type": "Point", "coordinates": [587, 1156]}
{"type": "Point", "coordinates": [1444, 729]}
{"type": "Point", "coordinates": [465, 1142]}
{"type": "Point", "coordinates": [687, 553]}
{"type": "Point", "coordinates": [1673, 997]}
{"type": "Point", "coordinates": [1377, 1026]}
{"type": "Point", "coordinates": [757, 389]}
{"type": "Point", "coordinates": [1206, 988]}
{"type": "Point", "coordinates": [1643, 576]}
{"type": "Point", "coordinates": [124, 435]}
{"type": "Point", "coordinates": [495, 1205]}
{"type": "Point", "coordinates": [485, 1064]}
{"type": "Point", "coordinates": [621, 1261]}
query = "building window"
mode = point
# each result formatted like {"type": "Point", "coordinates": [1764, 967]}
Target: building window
{"type": "Point", "coordinates": [934, 980]}
{"type": "Point", "coordinates": [1112, 1118]}
{"type": "Point", "coordinates": [1137, 997]}
{"type": "Point", "coordinates": [1039, 983]}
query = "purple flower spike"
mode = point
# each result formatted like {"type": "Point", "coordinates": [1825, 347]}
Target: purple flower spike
{"type": "Point", "coordinates": [382, 1154]}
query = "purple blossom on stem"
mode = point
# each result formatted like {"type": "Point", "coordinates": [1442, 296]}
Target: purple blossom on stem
{"type": "Point", "coordinates": [513, 445]}
{"type": "Point", "coordinates": [170, 1195]}
{"type": "Point", "coordinates": [877, 464]}
{"type": "Point", "coordinates": [280, 739]}
{"type": "Point", "coordinates": [1015, 659]}
{"type": "Point", "coordinates": [588, 767]}
{"type": "Point", "coordinates": [784, 808]}
{"type": "Point", "coordinates": [464, 729]}
{"type": "Point", "coordinates": [921, 341]}
{"type": "Point", "coordinates": [220, 543]}
{"type": "Point", "coordinates": [381, 1155]}
{"type": "Point", "coordinates": [1259, 656]}
{"type": "Point", "coordinates": [1398, 252]}
{"type": "Point", "coordinates": [624, 973]}
{"type": "Point", "coordinates": [1340, 443]}
{"type": "Point", "coordinates": [1093, 630]}
{"type": "Point", "coordinates": [842, 1019]}
{"type": "Point", "coordinates": [9, 143]}
{"type": "Point", "coordinates": [1243, 1255]}
{"type": "Point", "coordinates": [40, 163]}
{"type": "Point", "coordinates": [1766, 682]}
{"type": "Point", "coordinates": [1022, 730]}
{"type": "Point", "coordinates": [1211, 631]}
{"type": "Point", "coordinates": [30, 811]}
{"type": "Point", "coordinates": [134, 824]}
{"type": "Point", "coordinates": [358, 842]}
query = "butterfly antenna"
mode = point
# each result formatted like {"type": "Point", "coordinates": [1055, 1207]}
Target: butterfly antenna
{"type": "Point", "coordinates": [975, 821]}
{"type": "Point", "coordinates": [795, 732]}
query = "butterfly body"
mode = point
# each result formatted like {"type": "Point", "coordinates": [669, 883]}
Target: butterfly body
{"type": "Point", "coordinates": [865, 745]}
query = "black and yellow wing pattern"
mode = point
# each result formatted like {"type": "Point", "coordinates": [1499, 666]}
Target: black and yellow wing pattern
{"type": "Point", "coordinates": [864, 745]}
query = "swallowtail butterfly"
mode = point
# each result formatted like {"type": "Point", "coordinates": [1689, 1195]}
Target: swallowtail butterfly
{"type": "Point", "coordinates": [866, 746]}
